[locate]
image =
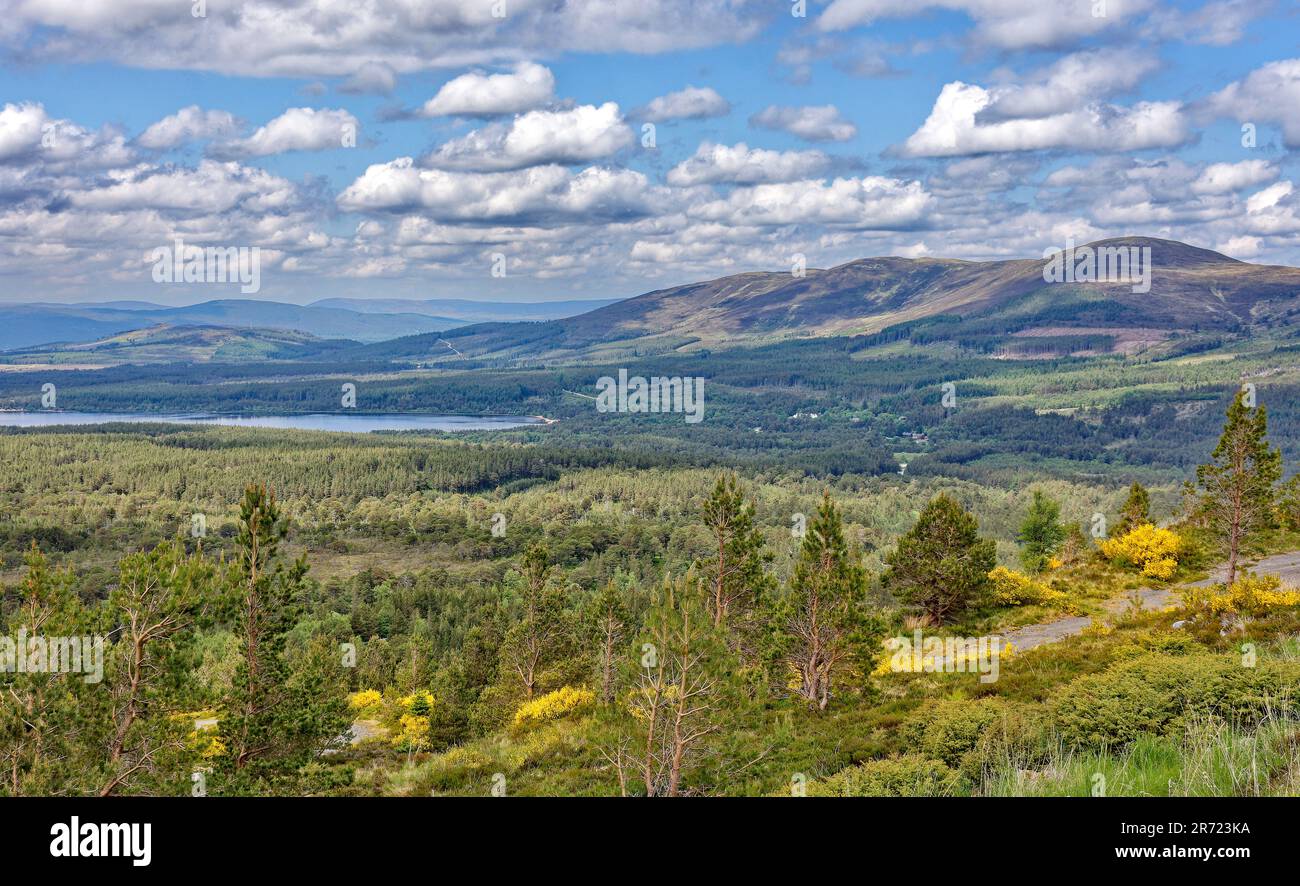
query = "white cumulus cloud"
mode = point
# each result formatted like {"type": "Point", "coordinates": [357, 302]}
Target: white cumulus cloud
{"type": "Point", "coordinates": [297, 129]}
{"type": "Point", "coordinates": [1072, 81]}
{"type": "Point", "coordinates": [187, 125]}
{"type": "Point", "coordinates": [211, 187]}
{"type": "Point", "coordinates": [872, 202]}
{"type": "Point", "coordinates": [311, 38]}
{"type": "Point", "coordinates": [1227, 178]}
{"type": "Point", "coordinates": [691, 103]}
{"type": "Point", "coordinates": [578, 135]}
{"type": "Point", "coordinates": [477, 94]}
{"type": "Point", "coordinates": [1270, 94]}
{"type": "Point", "coordinates": [1007, 24]}
{"type": "Point", "coordinates": [741, 164]}
{"type": "Point", "coordinates": [817, 123]}
{"type": "Point", "coordinates": [954, 127]}
{"type": "Point", "coordinates": [30, 136]}
{"type": "Point", "coordinates": [538, 193]}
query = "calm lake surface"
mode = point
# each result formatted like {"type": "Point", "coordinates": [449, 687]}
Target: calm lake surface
{"type": "Point", "coordinates": [311, 422]}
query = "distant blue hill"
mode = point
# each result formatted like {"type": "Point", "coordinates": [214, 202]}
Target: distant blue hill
{"type": "Point", "coordinates": [27, 325]}
{"type": "Point", "coordinates": [470, 311]}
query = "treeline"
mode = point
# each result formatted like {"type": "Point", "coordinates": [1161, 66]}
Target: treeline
{"type": "Point", "coordinates": [758, 408]}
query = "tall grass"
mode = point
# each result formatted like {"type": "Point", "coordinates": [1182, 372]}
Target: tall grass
{"type": "Point", "coordinates": [1210, 759]}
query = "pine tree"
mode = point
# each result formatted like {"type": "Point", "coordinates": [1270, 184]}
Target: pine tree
{"type": "Point", "coordinates": [1137, 510]}
{"type": "Point", "coordinates": [683, 692]}
{"type": "Point", "coordinates": [823, 618]}
{"type": "Point", "coordinates": [543, 633]}
{"type": "Point", "coordinates": [941, 565]}
{"type": "Point", "coordinates": [42, 713]}
{"type": "Point", "coordinates": [607, 625]}
{"type": "Point", "coordinates": [1041, 532]}
{"type": "Point", "coordinates": [1237, 485]}
{"type": "Point", "coordinates": [736, 573]}
{"type": "Point", "coordinates": [158, 599]}
{"type": "Point", "coordinates": [278, 717]}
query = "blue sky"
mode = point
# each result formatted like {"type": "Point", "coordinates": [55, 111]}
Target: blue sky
{"type": "Point", "coordinates": [972, 129]}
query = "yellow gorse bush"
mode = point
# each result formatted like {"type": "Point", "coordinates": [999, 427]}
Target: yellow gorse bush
{"type": "Point", "coordinates": [939, 661]}
{"type": "Point", "coordinates": [553, 705]}
{"type": "Point", "coordinates": [365, 700]}
{"type": "Point", "coordinates": [420, 700]}
{"type": "Point", "coordinates": [410, 730]}
{"type": "Point", "coordinates": [412, 733]}
{"type": "Point", "coordinates": [1012, 588]}
{"type": "Point", "coordinates": [1254, 595]}
{"type": "Point", "coordinates": [1154, 551]}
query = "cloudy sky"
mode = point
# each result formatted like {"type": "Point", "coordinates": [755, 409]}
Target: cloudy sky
{"type": "Point", "coordinates": [593, 148]}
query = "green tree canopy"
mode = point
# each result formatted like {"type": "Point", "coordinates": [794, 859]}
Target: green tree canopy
{"type": "Point", "coordinates": [941, 564]}
{"type": "Point", "coordinates": [1041, 533]}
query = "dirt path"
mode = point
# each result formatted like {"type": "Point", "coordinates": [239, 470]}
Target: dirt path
{"type": "Point", "coordinates": [365, 729]}
{"type": "Point", "coordinates": [1287, 566]}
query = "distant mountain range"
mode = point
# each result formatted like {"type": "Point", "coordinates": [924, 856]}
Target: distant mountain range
{"type": "Point", "coordinates": [32, 324]}
{"type": "Point", "coordinates": [1004, 308]}
{"type": "Point", "coordinates": [183, 344]}
{"type": "Point", "coordinates": [469, 311]}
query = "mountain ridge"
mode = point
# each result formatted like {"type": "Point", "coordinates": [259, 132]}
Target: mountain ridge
{"type": "Point", "coordinates": [1006, 307]}
{"type": "Point", "coordinates": [31, 324]}
{"type": "Point", "coordinates": [1193, 290]}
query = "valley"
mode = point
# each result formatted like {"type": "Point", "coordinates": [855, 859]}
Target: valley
{"type": "Point", "coordinates": [478, 599]}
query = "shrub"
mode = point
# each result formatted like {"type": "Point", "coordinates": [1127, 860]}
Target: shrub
{"type": "Point", "coordinates": [366, 701]}
{"type": "Point", "coordinates": [553, 706]}
{"type": "Point", "coordinates": [205, 740]}
{"type": "Point", "coordinates": [940, 655]}
{"type": "Point", "coordinates": [458, 766]}
{"type": "Point", "coordinates": [907, 776]}
{"type": "Point", "coordinates": [949, 729]}
{"type": "Point", "coordinates": [1249, 595]}
{"type": "Point", "coordinates": [1146, 642]}
{"type": "Point", "coordinates": [1017, 589]}
{"type": "Point", "coordinates": [412, 733]}
{"type": "Point", "coordinates": [1154, 551]}
{"type": "Point", "coordinates": [971, 736]}
{"type": "Point", "coordinates": [419, 703]}
{"type": "Point", "coordinates": [409, 720]}
{"type": "Point", "coordinates": [1156, 694]}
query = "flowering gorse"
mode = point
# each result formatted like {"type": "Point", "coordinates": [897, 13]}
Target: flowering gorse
{"type": "Point", "coordinates": [366, 701]}
{"type": "Point", "coordinates": [553, 706]}
{"type": "Point", "coordinates": [1252, 595]}
{"type": "Point", "coordinates": [1012, 588]}
{"type": "Point", "coordinates": [1154, 551]}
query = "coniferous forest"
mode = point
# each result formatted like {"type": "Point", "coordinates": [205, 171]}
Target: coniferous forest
{"type": "Point", "coordinates": [625, 604]}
